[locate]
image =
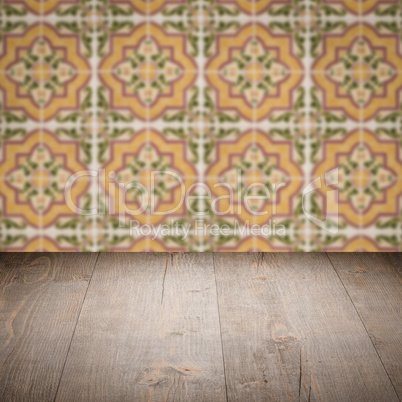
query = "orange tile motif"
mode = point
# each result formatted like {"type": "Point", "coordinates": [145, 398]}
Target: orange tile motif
{"type": "Point", "coordinates": [253, 6]}
{"type": "Point", "coordinates": [200, 125]}
{"type": "Point", "coordinates": [255, 158]}
{"type": "Point", "coordinates": [361, 7]}
{"type": "Point", "coordinates": [145, 158]}
{"type": "Point", "coordinates": [369, 185]}
{"type": "Point", "coordinates": [254, 72]}
{"type": "Point", "coordinates": [144, 75]}
{"type": "Point", "coordinates": [35, 172]}
{"type": "Point", "coordinates": [43, 72]}
{"type": "Point", "coordinates": [359, 72]}
{"type": "Point", "coordinates": [42, 6]}
{"type": "Point", "coordinates": [148, 7]}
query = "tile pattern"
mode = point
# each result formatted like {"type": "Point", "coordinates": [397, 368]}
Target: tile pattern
{"type": "Point", "coordinates": [276, 91]}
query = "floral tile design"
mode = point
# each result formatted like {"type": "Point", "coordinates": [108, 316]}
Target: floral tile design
{"type": "Point", "coordinates": [254, 73]}
{"type": "Point", "coordinates": [201, 125]}
{"type": "Point", "coordinates": [43, 73]}
{"type": "Point", "coordinates": [358, 72]}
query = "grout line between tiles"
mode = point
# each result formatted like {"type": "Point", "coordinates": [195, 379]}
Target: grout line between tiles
{"type": "Point", "coordinates": [307, 164]}
{"type": "Point", "coordinates": [41, 127]}
{"type": "Point", "coordinates": [95, 129]}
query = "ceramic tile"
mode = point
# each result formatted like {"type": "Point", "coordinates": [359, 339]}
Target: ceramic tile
{"type": "Point", "coordinates": [301, 95]}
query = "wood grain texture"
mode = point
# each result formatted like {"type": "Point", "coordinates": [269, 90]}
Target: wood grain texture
{"type": "Point", "coordinates": [376, 292]}
{"type": "Point", "coordinates": [396, 260]}
{"type": "Point", "coordinates": [149, 330]}
{"type": "Point", "coordinates": [41, 295]}
{"type": "Point", "coordinates": [290, 332]}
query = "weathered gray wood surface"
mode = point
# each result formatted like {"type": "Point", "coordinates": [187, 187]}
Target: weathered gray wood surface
{"type": "Point", "coordinates": [290, 332]}
{"type": "Point", "coordinates": [238, 327]}
{"type": "Point", "coordinates": [395, 260]}
{"type": "Point", "coordinates": [149, 330]}
{"type": "Point", "coordinates": [41, 296]}
{"type": "Point", "coordinates": [376, 292]}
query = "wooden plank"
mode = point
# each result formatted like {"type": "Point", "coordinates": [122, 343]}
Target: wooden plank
{"type": "Point", "coordinates": [290, 332]}
{"type": "Point", "coordinates": [149, 330]}
{"type": "Point", "coordinates": [396, 260]}
{"type": "Point", "coordinates": [376, 292]}
{"type": "Point", "coordinates": [41, 295]}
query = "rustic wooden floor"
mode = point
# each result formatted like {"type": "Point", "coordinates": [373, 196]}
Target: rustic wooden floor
{"type": "Point", "coordinates": [200, 327]}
